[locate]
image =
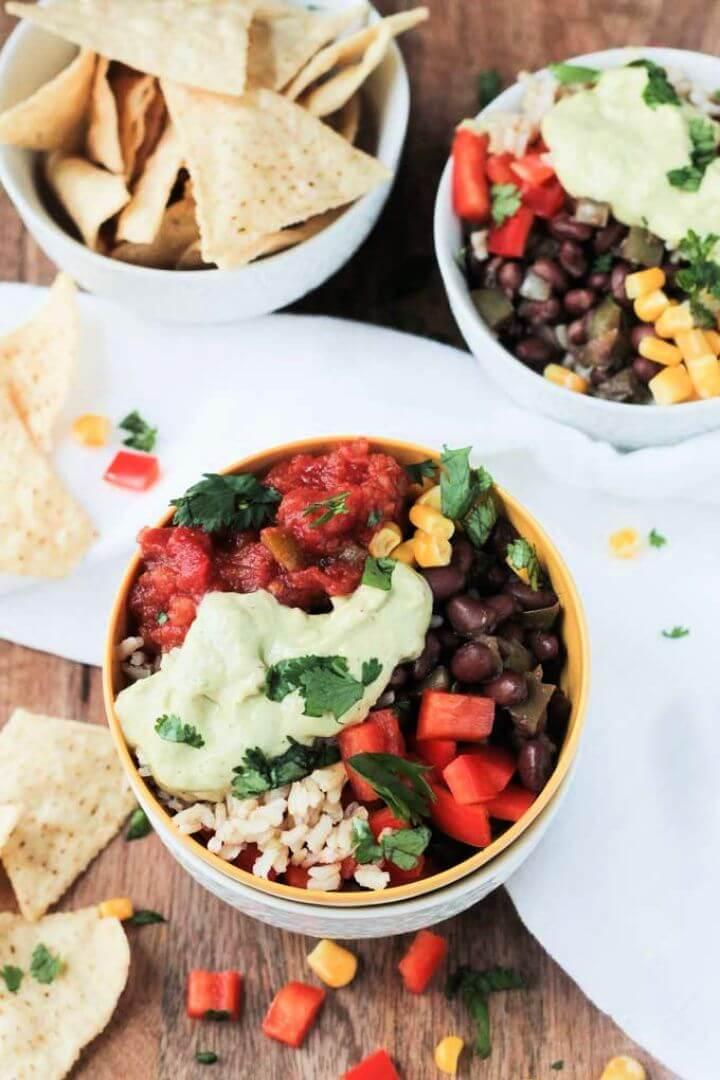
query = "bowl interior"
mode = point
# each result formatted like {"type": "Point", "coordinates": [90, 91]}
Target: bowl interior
{"type": "Point", "coordinates": [574, 681]}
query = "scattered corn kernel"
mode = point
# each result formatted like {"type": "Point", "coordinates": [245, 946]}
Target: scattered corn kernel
{"type": "Point", "coordinates": [650, 306]}
{"type": "Point", "coordinates": [91, 429]}
{"type": "Point", "coordinates": [662, 352]}
{"type": "Point", "coordinates": [674, 319]}
{"type": "Point", "coordinates": [121, 907]}
{"type": "Point", "coordinates": [562, 376]}
{"type": "Point", "coordinates": [447, 1052]}
{"type": "Point", "coordinates": [431, 550]}
{"type": "Point", "coordinates": [432, 497]}
{"type": "Point", "coordinates": [671, 386]}
{"type": "Point", "coordinates": [713, 340]}
{"type": "Point", "coordinates": [405, 552]}
{"type": "Point", "coordinates": [693, 344]}
{"type": "Point", "coordinates": [431, 521]}
{"type": "Point", "coordinates": [332, 964]}
{"type": "Point", "coordinates": [625, 543]}
{"type": "Point", "coordinates": [623, 1068]}
{"type": "Point", "coordinates": [644, 282]}
{"type": "Point", "coordinates": [705, 375]}
{"type": "Point", "coordinates": [385, 540]}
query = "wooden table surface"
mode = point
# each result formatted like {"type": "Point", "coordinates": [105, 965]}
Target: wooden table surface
{"type": "Point", "coordinates": [391, 281]}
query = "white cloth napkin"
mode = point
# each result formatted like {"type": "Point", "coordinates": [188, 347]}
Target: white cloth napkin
{"type": "Point", "coordinates": [622, 892]}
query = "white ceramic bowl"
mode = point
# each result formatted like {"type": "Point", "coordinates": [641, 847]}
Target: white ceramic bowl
{"type": "Point", "coordinates": [627, 426]}
{"type": "Point", "coordinates": [31, 57]}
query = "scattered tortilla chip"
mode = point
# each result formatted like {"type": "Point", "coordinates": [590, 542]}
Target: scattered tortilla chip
{"type": "Point", "coordinates": [70, 784]}
{"type": "Point", "coordinates": [283, 38]}
{"type": "Point", "coordinates": [52, 118]}
{"type": "Point", "coordinates": [38, 359]}
{"type": "Point", "coordinates": [140, 221]}
{"type": "Point", "coordinates": [103, 134]}
{"type": "Point", "coordinates": [90, 195]}
{"type": "Point", "coordinates": [347, 120]}
{"type": "Point", "coordinates": [358, 55]}
{"type": "Point", "coordinates": [43, 530]}
{"type": "Point", "coordinates": [201, 43]}
{"type": "Point", "coordinates": [259, 163]}
{"type": "Point", "coordinates": [134, 94]}
{"type": "Point", "coordinates": [9, 817]}
{"type": "Point", "coordinates": [44, 1026]}
{"type": "Point", "coordinates": [178, 231]}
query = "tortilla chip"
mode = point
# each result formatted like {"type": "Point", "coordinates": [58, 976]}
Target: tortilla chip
{"type": "Point", "coordinates": [178, 231]}
{"type": "Point", "coordinates": [140, 221]}
{"type": "Point", "coordinates": [347, 120]}
{"type": "Point", "coordinates": [43, 530]}
{"type": "Point", "coordinates": [191, 258]}
{"type": "Point", "coordinates": [44, 1026]}
{"type": "Point", "coordinates": [134, 94]}
{"type": "Point", "coordinates": [284, 38]}
{"type": "Point", "coordinates": [9, 817]}
{"type": "Point", "coordinates": [52, 118]}
{"type": "Point", "coordinates": [103, 135]}
{"type": "Point", "coordinates": [201, 43]}
{"type": "Point", "coordinates": [357, 56]}
{"type": "Point", "coordinates": [70, 784]}
{"type": "Point", "coordinates": [259, 163]}
{"type": "Point", "coordinates": [155, 123]}
{"type": "Point", "coordinates": [38, 359]}
{"type": "Point", "coordinates": [91, 196]}
{"type": "Point", "coordinates": [251, 247]}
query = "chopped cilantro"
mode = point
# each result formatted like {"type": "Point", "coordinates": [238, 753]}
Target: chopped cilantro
{"type": "Point", "coordinates": [145, 917]}
{"type": "Point", "coordinates": [656, 539]}
{"type": "Point", "coordinates": [400, 783]}
{"type": "Point", "coordinates": [142, 436]}
{"type": "Point", "coordinates": [12, 977]}
{"type": "Point", "coordinates": [701, 278]}
{"type": "Point", "coordinates": [44, 967]}
{"type": "Point", "coordinates": [658, 90]}
{"type": "Point", "coordinates": [259, 773]}
{"type": "Point", "coordinates": [374, 518]}
{"type": "Point", "coordinates": [226, 502]}
{"type": "Point", "coordinates": [403, 847]}
{"type": "Point", "coordinates": [138, 826]}
{"type": "Point", "coordinates": [324, 682]}
{"type": "Point", "coordinates": [574, 73]}
{"type": "Point", "coordinates": [489, 85]}
{"type": "Point", "coordinates": [171, 729]}
{"type": "Point", "coordinates": [558, 1066]}
{"type": "Point", "coordinates": [480, 521]}
{"type": "Point", "coordinates": [475, 988]}
{"type": "Point", "coordinates": [206, 1057]}
{"type": "Point", "coordinates": [466, 495]}
{"type": "Point", "coordinates": [331, 507]}
{"type": "Point", "coordinates": [378, 573]}
{"type": "Point", "coordinates": [365, 848]}
{"type": "Point", "coordinates": [421, 470]}
{"type": "Point", "coordinates": [702, 154]}
{"type": "Point", "coordinates": [521, 555]}
{"type": "Point", "coordinates": [676, 632]}
{"type": "Point", "coordinates": [216, 1014]}
{"type": "Point", "coordinates": [161, 618]}
{"type": "Point", "coordinates": [505, 201]}
{"type": "Point", "coordinates": [602, 263]}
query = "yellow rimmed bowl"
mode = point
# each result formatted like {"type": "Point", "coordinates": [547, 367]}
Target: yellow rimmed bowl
{"type": "Point", "coordinates": [399, 908]}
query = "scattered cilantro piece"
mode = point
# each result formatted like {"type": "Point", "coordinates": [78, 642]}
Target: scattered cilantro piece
{"type": "Point", "coordinates": [421, 470]}
{"type": "Point", "coordinates": [145, 917]}
{"type": "Point", "coordinates": [330, 507]}
{"type": "Point", "coordinates": [558, 1066]}
{"type": "Point", "coordinates": [489, 85]}
{"type": "Point", "coordinates": [259, 773]}
{"type": "Point", "coordinates": [12, 977]}
{"type": "Point", "coordinates": [206, 1057]}
{"type": "Point", "coordinates": [676, 632]}
{"type": "Point", "coordinates": [161, 618]}
{"type": "Point", "coordinates": [324, 681]}
{"type": "Point", "coordinates": [364, 845]}
{"type": "Point", "coordinates": [701, 278]}
{"type": "Point", "coordinates": [574, 73]}
{"type": "Point", "coordinates": [400, 783]}
{"type": "Point", "coordinates": [702, 154]}
{"type": "Point", "coordinates": [602, 263]}
{"type": "Point", "coordinates": [656, 539]}
{"type": "Point", "coordinates": [378, 573]}
{"type": "Point", "coordinates": [370, 671]}
{"type": "Point", "coordinates": [521, 555]}
{"type": "Point", "coordinates": [138, 826]}
{"type": "Point", "coordinates": [171, 729]}
{"type": "Point", "coordinates": [142, 436]}
{"type": "Point", "coordinates": [480, 521]}
{"type": "Point", "coordinates": [475, 987]}
{"type": "Point", "coordinates": [226, 502]}
{"type": "Point", "coordinates": [403, 847]}
{"type": "Point", "coordinates": [505, 201]}
{"type": "Point", "coordinates": [44, 967]}
{"type": "Point", "coordinates": [658, 90]}
{"type": "Point", "coordinates": [216, 1014]}
{"type": "Point", "coordinates": [461, 486]}
{"type": "Point", "coordinates": [374, 518]}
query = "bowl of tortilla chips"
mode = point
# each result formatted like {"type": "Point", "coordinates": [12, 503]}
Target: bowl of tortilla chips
{"type": "Point", "coordinates": [202, 160]}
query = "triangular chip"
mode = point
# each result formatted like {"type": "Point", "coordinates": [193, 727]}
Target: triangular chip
{"type": "Point", "coordinates": [178, 231]}
{"type": "Point", "coordinates": [134, 94]}
{"type": "Point", "coordinates": [103, 134]}
{"type": "Point", "coordinates": [91, 196]}
{"type": "Point", "coordinates": [38, 359]}
{"type": "Point", "coordinates": [9, 817]}
{"type": "Point", "coordinates": [191, 258]}
{"type": "Point", "coordinates": [45, 1025]}
{"type": "Point", "coordinates": [202, 43]}
{"type": "Point", "coordinates": [52, 118]}
{"type": "Point", "coordinates": [70, 784]}
{"type": "Point", "coordinates": [346, 121]}
{"type": "Point", "coordinates": [251, 247]}
{"type": "Point", "coordinates": [141, 219]}
{"type": "Point", "coordinates": [283, 38]}
{"type": "Point", "coordinates": [259, 163]}
{"type": "Point", "coordinates": [155, 123]}
{"type": "Point", "coordinates": [43, 531]}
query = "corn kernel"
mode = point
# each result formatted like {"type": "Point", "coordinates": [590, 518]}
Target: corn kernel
{"type": "Point", "coordinates": [713, 340]}
{"type": "Point", "coordinates": [644, 282]}
{"type": "Point", "coordinates": [625, 543]}
{"type": "Point", "coordinates": [674, 319]}
{"type": "Point", "coordinates": [91, 430]}
{"type": "Point", "coordinates": [671, 386]}
{"type": "Point", "coordinates": [651, 305]}
{"type": "Point", "coordinates": [447, 1052]}
{"type": "Point", "coordinates": [562, 376]}
{"type": "Point", "coordinates": [385, 540]}
{"type": "Point", "coordinates": [432, 497]}
{"type": "Point", "coordinates": [431, 550]}
{"type": "Point", "coordinates": [332, 964]}
{"type": "Point", "coordinates": [623, 1068]}
{"type": "Point", "coordinates": [121, 907]}
{"type": "Point", "coordinates": [693, 344]}
{"type": "Point", "coordinates": [431, 521]}
{"type": "Point", "coordinates": [404, 553]}
{"type": "Point", "coordinates": [704, 374]}
{"type": "Point", "coordinates": [662, 352]}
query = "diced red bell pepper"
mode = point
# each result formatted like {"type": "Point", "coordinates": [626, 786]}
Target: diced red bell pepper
{"type": "Point", "coordinates": [387, 721]}
{"type": "Point", "coordinates": [377, 1066]}
{"type": "Point", "coordinates": [455, 716]}
{"type": "Point", "coordinates": [510, 238]}
{"type": "Point", "coordinates": [292, 1013]}
{"type": "Point", "coordinates": [425, 955]}
{"type": "Point", "coordinates": [532, 170]}
{"type": "Point", "coordinates": [510, 804]}
{"type": "Point", "coordinates": [138, 472]}
{"type": "Point", "coordinates": [348, 867]}
{"type": "Point", "coordinates": [297, 876]}
{"type": "Point", "coordinates": [384, 819]}
{"type": "Point", "coordinates": [470, 824]}
{"type": "Point", "coordinates": [398, 876]}
{"type": "Point", "coordinates": [480, 775]}
{"type": "Point", "coordinates": [361, 739]}
{"type": "Point", "coordinates": [471, 199]}
{"type": "Point", "coordinates": [246, 860]}
{"type": "Point", "coordinates": [214, 995]}
{"type": "Point", "coordinates": [437, 752]}
{"type": "Point", "coordinates": [498, 169]}
{"type": "Point", "coordinates": [547, 200]}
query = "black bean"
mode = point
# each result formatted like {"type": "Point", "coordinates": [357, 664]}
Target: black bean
{"type": "Point", "coordinates": [639, 332]}
{"type": "Point", "coordinates": [545, 646]}
{"type": "Point", "coordinates": [617, 282]}
{"type": "Point", "coordinates": [552, 272]}
{"type": "Point", "coordinates": [495, 577]}
{"type": "Point", "coordinates": [511, 631]}
{"type": "Point", "coordinates": [510, 276]}
{"type": "Point", "coordinates": [572, 258]}
{"type": "Point", "coordinates": [533, 350]}
{"type": "Point", "coordinates": [645, 369]}
{"type": "Point", "coordinates": [540, 311]}
{"type": "Point", "coordinates": [609, 237]}
{"type": "Point", "coordinates": [558, 712]}
{"type": "Point", "coordinates": [504, 605]}
{"type": "Point", "coordinates": [444, 581]}
{"type": "Point", "coordinates": [473, 663]}
{"type": "Point", "coordinates": [599, 281]}
{"type": "Point", "coordinates": [507, 689]}
{"type": "Point", "coordinates": [563, 227]}
{"type": "Point", "coordinates": [535, 763]}
{"type": "Point", "coordinates": [468, 614]}
{"type": "Point", "coordinates": [528, 598]}
{"type": "Point", "coordinates": [438, 679]}
{"type": "Point", "coordinates": [578, 301]}
{"type": "Point", "coordinates": [427, 659]}
{"type": "Point", "coordinates": [462, 554]}
{"type": "Point", "coordinates": [503, 534]}
{"type": "Point", "coordinates": [448, 638]}
{"type": "Point", "coordinates": [398, 678]}
{"type": "Point", "coordinates": [577, 334]}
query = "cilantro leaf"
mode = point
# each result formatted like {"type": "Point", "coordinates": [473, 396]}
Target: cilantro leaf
{"type": "Point", "coordinates": [217, 502]}
{"type": "Point", "coordinates": [12, 977]}
{"type": "Point", "coordinates": [145, 917]}
{"type": "Point", "coordinates": [171, 729]}
{"type": "Point", "coordinates": [400, 783]}
{"type": "Point", "coordinates": [460, 484]}
{"type": "Point", "coordinates": [702, 154]}
{"type": "Point", "coordinates": [700, 279]}
{"type": "Point", "coordinates": [567, 74]}
{"type": "Point", "coordinates": [558, 1065]}
{"type": "Point", "coordinates": [505, 202]}
{"type": "Point", "coordinates": [44, 967]}
{"type": "Point", "coordinates": [475, 987]}
{"type": "Point", "coordinates": [259, 773]}
{"type": "Point", "coordinates": [676, 632]}
{"type": "Point", "coordinates": [658, 89]}
{"type": "Point", "coordinates": [324, 682]}
{"type": "Point", "coordinates": [656, 539]}
{"type": "Point", "coordinates": [142, 436]}
{"type": "Point", "coordinates": [489, 85]}
{"type": "Point", "coordinates": [421, 470]}
{"type": "Point", "coordinates": [139, 825]}
{"type": "Point", "coordinates": [480, 521]}
{"type": "Point", "coordinates": [403, 847]}
{"type": "Point", "coordinates": [206, 1057]}
{"type": "Point", "coordinates": [333, 506]}
{"type": "Point", "coordinates": [370, 671]}
{"type": "Point", "coordinates": [602, 263]}
{"type": "Point", "coordinates": [378, 573]}
{"type": "Point", "coordinates": [364, 846]}
{"type": "Point", "coordinates": [521, 555]}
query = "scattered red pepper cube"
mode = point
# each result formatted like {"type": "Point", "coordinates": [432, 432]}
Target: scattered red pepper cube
{"type": "Point", "coordinates": [510, 238]}
{"type": "Point", "coordinates": [464, 717]}
{"type": "Point", "coordinates": [137, 472]}
{"type": "Point", "coordinates": [426, 953]}
{"type": "Point", "coordinates": [510, 804]}
{"type": "Point", "coordinates": [470, 824]}
{"type": "Point", "coordinates": [377, 1066]}
{"type": "Point", "coordinates": [479, 775]}
{"type": "Point", "coordinates": [471, 199]}
{"type": "Point", "coordinates": [437, 752]}
{"type": "Point", "coordinates": [384, 819]}
{"type": "Point", "coordinates": [214, 995]}
{"type": "Point", "coordinates": [297, 876]}
{"type": "Point", "coordinates": [292, 1013]}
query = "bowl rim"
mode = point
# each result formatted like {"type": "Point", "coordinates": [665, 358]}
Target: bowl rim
{"type": "Point", "coordinates": [400, 84]}
{"type": "Point", "coordinates": [258, 462]}
{"type": "Point", "coordinates": [456, 283]}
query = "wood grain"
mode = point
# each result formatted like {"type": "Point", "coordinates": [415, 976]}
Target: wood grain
{"type": "Point", "coordinates": [392, 281]}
